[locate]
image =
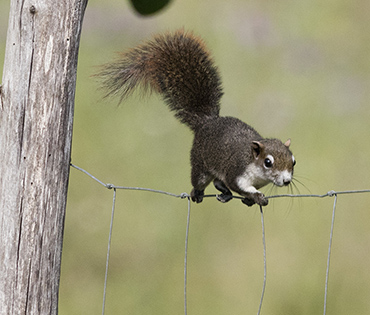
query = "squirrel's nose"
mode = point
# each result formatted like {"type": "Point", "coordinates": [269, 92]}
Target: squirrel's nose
{"type": "Point", "coordinates": [286, 182]}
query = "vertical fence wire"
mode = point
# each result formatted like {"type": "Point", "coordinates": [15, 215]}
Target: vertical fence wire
{"type": "Point", "coordinates": [186, 259]}
{"type": "Point", "coordinates": [264, 262]}
{"type": "Point", "coordinates": [108, 250]}
{"type": "Point", "coordinates": [329, 253]}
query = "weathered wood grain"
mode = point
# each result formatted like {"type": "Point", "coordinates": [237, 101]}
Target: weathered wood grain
{"type": "Point", "coordinates": [36, 118]}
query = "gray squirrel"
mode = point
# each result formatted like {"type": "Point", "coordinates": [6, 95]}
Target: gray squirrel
{"type": "Point", "coordinates": [225, 150]}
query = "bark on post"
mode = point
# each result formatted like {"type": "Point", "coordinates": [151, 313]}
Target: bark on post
{"type": "Point", "coordinates": [36, 116]}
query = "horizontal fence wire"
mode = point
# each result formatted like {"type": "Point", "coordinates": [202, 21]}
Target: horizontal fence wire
{"type": "Point", "coordinates": [185, 195]}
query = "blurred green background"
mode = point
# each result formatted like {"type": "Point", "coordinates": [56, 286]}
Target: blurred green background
{"type": "Point", "coordinates": [291, 69]}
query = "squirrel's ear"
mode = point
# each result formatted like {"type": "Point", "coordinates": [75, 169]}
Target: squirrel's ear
{"type": "Point", "coordinates": [287, 143]}
{"type": "Point", "coordinates": [257, 148]}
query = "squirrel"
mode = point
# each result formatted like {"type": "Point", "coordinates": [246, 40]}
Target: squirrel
{"type": "Point", "coordinates": [225, 150]}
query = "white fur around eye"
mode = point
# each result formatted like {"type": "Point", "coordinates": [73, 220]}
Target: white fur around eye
{"type": "Point", "coordinates": [293, 159]}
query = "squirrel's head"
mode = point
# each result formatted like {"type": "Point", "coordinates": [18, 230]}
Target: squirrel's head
{"type": "Point", "coordinates": [274, 160]}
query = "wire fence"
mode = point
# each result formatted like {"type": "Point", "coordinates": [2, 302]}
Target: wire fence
{"type": "Point", "coordinates": [331, 193]}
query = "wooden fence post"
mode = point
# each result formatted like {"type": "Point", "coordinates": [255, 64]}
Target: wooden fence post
{"type": "Point", "coordinates": [36, 117]}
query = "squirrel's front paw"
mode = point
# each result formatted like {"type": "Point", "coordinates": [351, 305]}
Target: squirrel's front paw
{"type": "Point", "coordinates": [261, 200]}
{"type": "Point", "coordinates": [197, 195]}
{"type": "Point", "coordinates": [258, 198]}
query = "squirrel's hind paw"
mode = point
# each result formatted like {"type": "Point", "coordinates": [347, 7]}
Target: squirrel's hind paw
{"type": "Point", "coordinates": [197, 195]}
{"type": "Point", "coordinates": [224, 197]}
{"type": "Point", "coordinates": [248, 202]}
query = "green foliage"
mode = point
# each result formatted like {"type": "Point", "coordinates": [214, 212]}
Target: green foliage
{"type": "Point", "coordinates": [148, 7]}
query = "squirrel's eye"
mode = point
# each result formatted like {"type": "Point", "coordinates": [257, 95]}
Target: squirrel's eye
{"type": "Point", "coordinates": [294, 161]}
{"type": "Point", "coordinates": [268, 163]}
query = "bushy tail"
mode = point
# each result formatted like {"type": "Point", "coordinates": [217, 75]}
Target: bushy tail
{"type": "Point", "coordinates": [178, 66]}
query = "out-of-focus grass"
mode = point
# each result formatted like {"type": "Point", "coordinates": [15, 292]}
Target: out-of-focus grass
{"type": "Point", "coordinates": [292, 69]}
